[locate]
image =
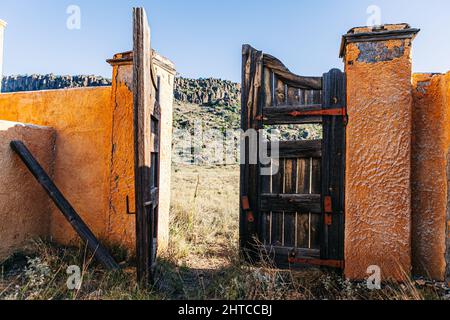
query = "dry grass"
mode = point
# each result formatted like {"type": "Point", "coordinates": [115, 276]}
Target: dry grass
{"type": "Point", "coordinates": [204, 257]}
{"type": "Point", "coordinates": [202, 263]}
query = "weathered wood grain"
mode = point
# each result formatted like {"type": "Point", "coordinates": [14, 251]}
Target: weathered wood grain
{"type": "Point", "coordinates": [146, 147]}
{"type": "Point", "coordinates": [283, 73]}
{"type": "Point", "coordinates": [291, 203]}
{"type": "Point", "coordinates": [333, 165]}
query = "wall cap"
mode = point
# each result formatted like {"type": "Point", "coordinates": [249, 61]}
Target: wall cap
{"type": "Point", "coordinates": [380, 33]}
{"type": "Point", "coordinates": [126, 58]}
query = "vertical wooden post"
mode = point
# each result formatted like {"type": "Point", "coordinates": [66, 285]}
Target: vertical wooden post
{"type": "Point", "coordinates": [144, 108]}
{"type": "Point", "coordinates": [333, 167]}
{"type": "Point", "coordinates": [251, 110]}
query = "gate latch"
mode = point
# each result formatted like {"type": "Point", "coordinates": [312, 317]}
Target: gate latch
{"type": "Point", "coordinates": [128, 207]}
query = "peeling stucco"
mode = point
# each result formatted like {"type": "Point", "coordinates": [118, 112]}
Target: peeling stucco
{"type": "Point", "coordinates": [373, 52]}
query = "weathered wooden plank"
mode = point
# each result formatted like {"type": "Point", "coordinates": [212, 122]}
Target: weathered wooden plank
{"type": "Point", "coordinates": [303, 187]}
{"type": "Point", "coordinates": [146, 144]}
{"type": "Point", "coordinates": [280, 92]}
{"type": "Point", "coordinates": [302, 97]}
{"type": "Point", "coordinates": [268, 87]}
{"type": "Point", "coordinates": [303, 230]}
{"type": "Point", "coordinates": [285, 252]}
{"type": "Point", "coordinates": [293, 96]}
{"type": "Point", "coordinates": [316, 220]}
{"type": "Point", "coordinates": [304, 173]}
{"type": "Point", "coordinates": [316, 175]}
{"type": "Point", "coordinates": [265, 226]}
{"type": "Point", "coordinates": [266, 180]}
{"type": "Point", "coordinates": [291, 203]}
{"type": "Point", "coordinates": [316, 188]}
{"type": "Point", "coordinates": [299, 149]}
{"type": "Point", "coordinates": [277, 217]}
{"type": "Point", "coordinates": [283, 73]}
{"type": "Point", "coordinates": [333, 165]}
{"type": "Point", "coordinates": [99, 251]}
{"type": "Point", "coordinates": [290, 176]}
{"type": "Point", "coordinates": [294, 107]}
{"type": "Point", "coordinates": [252, 78]}
{"type": "Point", "coordinates": [290, 187]}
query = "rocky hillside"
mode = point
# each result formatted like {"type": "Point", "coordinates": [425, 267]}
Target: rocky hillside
{"type": "Point", "coordinates": [50, 81]}
{"type": "Point", "coordinates": [213, 104]}
{"type": "Point", "coordinates": [205, 92]}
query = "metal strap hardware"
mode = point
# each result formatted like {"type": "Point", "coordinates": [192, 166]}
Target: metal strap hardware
{"type": "Point", "coordinates": [316, 262]}
{"type": "Point", "coordinates": [246, 207]}
{"type": "Point", "coordinates": [128, 207]}
{"type": "Point", "coordinates": [328, 209]}
{"type": "Point", "coordinates": [324, 112]}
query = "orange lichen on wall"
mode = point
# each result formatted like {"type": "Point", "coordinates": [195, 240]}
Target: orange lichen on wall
{"type": "Point", "coordinates": [378, 190]}
{"type": "Point", "coordinates": [431, 142]}
{"type": "Point", "coordinates": [24, 205]}
{"type": "Point", "coordinates": [82, 119]}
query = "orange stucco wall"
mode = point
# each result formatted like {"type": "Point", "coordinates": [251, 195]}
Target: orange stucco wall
{"type": "Point", "coordinates": [378, 184]}
{"type": "Point", "coordinates": [431, 143]}
{"type": "Point", "coordinates": [94, 151]}
{"type": "Point", "coordinates": [82, 119]}
{"type": "Point", "coordinates": [24, 205]}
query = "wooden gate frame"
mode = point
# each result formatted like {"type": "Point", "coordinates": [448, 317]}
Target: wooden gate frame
{"type": "Point", "coordinates": [147, 113]}
{"type": "Point", "coordinates": [333, 118]}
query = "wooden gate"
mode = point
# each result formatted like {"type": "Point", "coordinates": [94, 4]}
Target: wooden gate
{"type": "Point", "coordinates": [146, 147]}
{"type": "Point", "coordinates": [296, 213]}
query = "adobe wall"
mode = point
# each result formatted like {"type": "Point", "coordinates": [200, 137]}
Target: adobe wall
{"type": "Point", "coordinates": [378, 177]}
{"type": "Point", "coordinates": [122, 182]}
{"type": "Point", "coordinates": [24, 205]}
{"type": "Point", "coordinates": [430, 178]}
{"type": "Point", "coordinates": [94, 151]}
{"type": "Point", "coordinates": [82, 119]}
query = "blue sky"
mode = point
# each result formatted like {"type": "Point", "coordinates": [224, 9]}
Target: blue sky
{"type": "Point", "coordinates": [203, 38]}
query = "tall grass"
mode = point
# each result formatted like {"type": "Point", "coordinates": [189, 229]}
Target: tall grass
{"type": "Point", "coordinates": [202, 262]}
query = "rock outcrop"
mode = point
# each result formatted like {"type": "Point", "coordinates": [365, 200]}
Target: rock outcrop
{"type": "Point", "coordinates": [207, 92]}
{"type": "Point", "coordinates": [204, 92]}
{"type": "Point", "coordinates": [50, 82]}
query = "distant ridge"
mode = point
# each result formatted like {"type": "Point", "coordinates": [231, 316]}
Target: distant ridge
{"type": "Point", "coordinates": [205, 92]}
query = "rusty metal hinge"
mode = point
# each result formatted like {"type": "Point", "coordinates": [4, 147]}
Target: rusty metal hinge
{"type": "Point", "coordinates": [261, 118]}
{"type": "Point", "coordinates": [339, 264]}
{"type": "Point", "coordinates": [324, 112]}
{"type": "Point", "coordinates": [328, 209]}
{"type": "Point", "coordinates": [246, 207]}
